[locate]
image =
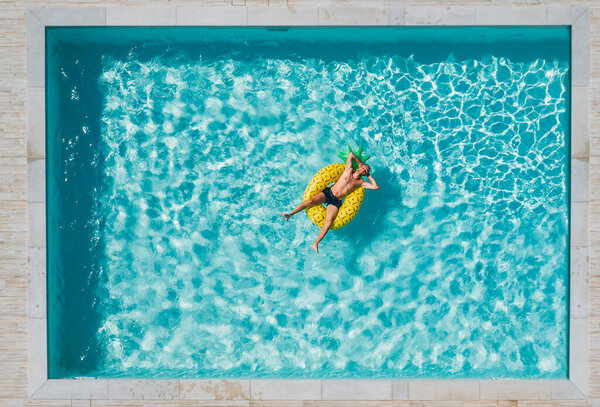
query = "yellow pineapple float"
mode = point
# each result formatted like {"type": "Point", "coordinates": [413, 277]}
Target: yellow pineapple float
{"type": "Point", "coordinates": [327, 176]}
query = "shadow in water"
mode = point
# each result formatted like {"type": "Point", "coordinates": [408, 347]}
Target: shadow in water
{"type": "Point", "coordinates": [75, 254]}
{"type": "Point", "coordinates": [371, 217]}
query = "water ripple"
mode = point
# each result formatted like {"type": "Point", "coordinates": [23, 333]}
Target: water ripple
{"type": "Point", "coordinates": [456, 267]}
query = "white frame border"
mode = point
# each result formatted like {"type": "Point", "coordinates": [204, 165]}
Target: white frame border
{"type": "Point", "coordinates": [576, 387]}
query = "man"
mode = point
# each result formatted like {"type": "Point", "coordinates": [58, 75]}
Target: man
{"type": "Point", "coordinates": [348, 182]}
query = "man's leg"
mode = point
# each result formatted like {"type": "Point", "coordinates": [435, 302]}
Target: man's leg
{"type": "Point", "coordinates": [315, 200]}
{"type": "Point", "coordinates": [332, 212]}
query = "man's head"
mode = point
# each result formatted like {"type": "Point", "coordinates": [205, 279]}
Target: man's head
{"type": "Point", "coordinates": [363, 170]}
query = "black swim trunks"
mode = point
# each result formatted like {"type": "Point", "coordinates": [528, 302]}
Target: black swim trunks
{"type": "Point", "coordinates": [331, 199]}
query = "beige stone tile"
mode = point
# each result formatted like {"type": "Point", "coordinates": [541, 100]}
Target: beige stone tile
{"type": "Point", "coordinates": [594, 175]}
{"type": "Point", "coordinates": [47, 403]}
{"type": "Point", "coordinates": [514, 389]}
{"type": "Point", "coordinates": [88, 3]}
{"type": "Point", "coordinates": [443, 390]}
{"type": "Point", "coordinates": [13, 283]}
{"type": "Point", "coordinates": [143, 389]}
{"type": "Point", "coordinates": [170, 403]}
{"type": "Point", "coordinates": [13, 77]}
{"type": "Point", "coordinates": [282, 16]}
{"type": "Point", "coordinates": [285, 389]}
{"type": "Point", "coordinates": [578, 353]}
{"type": "Point", "coordinates": [196, 3]}
{"type": "Point", "coordinates": [13, 310]}
{"type": "Point", "coordinates": [13, 147]}
{"type": "Point", "coordinates": [594, 300]}
{"type": "Point", "coordinates": [580, 51]}
{"type": "Point", "coordinates": [436, 15]}
{"type": "Point", "coordinates": [37, 354]}
{"type": "Point", "coordinates": [13, 245]}
{"type": "Point", "coordinates": [73, 389]}
{"type": "Point", "coordinates": [434, 403]}
{"type": "Point", "coordinates": [400, 389]}
{"type": "Point", "coordinates": [212, 16]}
{"type": "Point", "coordinates": [35, 51]}
{"type": "Point", "coordinates": [13, 161]}
{"type": "Point", "coordinates": [580, 131]}
{"type": "Point", "coordinates": [13, 182]}
{"type": "Point", "coordinates": [214, 389]}
{"type": "Point", "coordinates": [580, 184]}
{"type": "Point", "coordinates": [569, 403]}
{"type": "Point", "coordinates": [37, 282]}
{"type": "Point", "coordinates": [353, 16]}
{"type": "Point", "coordinates": [13, 30]}
{"type": "Point", "coordinates": [36, 119]}
{"type": "Point", "coordinates": [397, 15]}
{"type": "Point", "coordinates": [13, 218]}
{"type": "Point", "coordinates": [13, 381]}
{"type": "Point", "coordinates": [257, 3]}
{"type": "Point", "coordinates": [36, 180]}
{"type": "Point", "coordinates": [357, 390]}
{"type": "Point", "coordinates": [81, 403]}
{"type": "Point", "coordinates": [357, 403]}
{"type": "Point", "coordinates": [565, 390]}
{"type": "Point", "coordinates": [594, 366]}
{"type": "Point", "coordinates": [13, 123]}
{"type": "Point", "coordinates": [579, 224]}
{"type": "Point", "coordinates": [61, 16]}
{"type": "Point", "coordinates": [151, 15]}
{"type": "Point", "coordinates": [36, 225]}
{"type": "Point", "coordinates": [339, 3]}
{"type": "Point", "coordinates": [578, 283]}
{"type": "Point", "coordinates": [284, 403]}
{"type": "Point", "coordinates": [594, 260]}
{"type": "Point", "coordinates": [510, 15]}
{"type": "Point", "coordinates": [558, 14]}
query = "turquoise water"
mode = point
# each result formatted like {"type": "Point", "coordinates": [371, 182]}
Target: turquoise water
{"type": "Point", "coordinates": [172, 153]}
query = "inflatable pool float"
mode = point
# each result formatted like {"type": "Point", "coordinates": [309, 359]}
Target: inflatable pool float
{"type": "Point", "coordinates": [322, 179]}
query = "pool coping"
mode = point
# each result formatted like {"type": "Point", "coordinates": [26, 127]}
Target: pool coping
{"type": "Point", "coordinates": [242, 391]}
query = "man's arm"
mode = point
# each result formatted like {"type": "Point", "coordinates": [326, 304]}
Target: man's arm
{"type": "Point", "coordinates": [370, 185]}
{"type": "Point", "coordinates": [352, 157]}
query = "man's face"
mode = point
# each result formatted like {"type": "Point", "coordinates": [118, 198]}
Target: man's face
{"type": "Point", "coordinates": [362, 170]}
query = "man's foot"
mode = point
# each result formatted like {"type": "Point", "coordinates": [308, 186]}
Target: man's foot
{"type": "Point", "coordinates": [286, 216]}
{"type": "Point", "coordinates": [315, 247]}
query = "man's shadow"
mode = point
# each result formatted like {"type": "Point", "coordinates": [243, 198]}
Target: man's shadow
{"type": "Point", "coordinates": [370, 219]}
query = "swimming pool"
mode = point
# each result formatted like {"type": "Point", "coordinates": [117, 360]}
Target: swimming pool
{"type": "Point", "coordinates": [170, 159]}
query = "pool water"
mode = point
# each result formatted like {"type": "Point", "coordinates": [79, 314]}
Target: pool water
{"type": "Point", "coordinates": [172, 152]}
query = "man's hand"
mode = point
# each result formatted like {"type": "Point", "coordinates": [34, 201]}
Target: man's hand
{"type": "Point", "coordinates": [354, 157]}
{"type": "Point", "coordinates": [349, 162]}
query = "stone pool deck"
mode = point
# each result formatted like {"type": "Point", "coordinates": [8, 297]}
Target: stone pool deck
{"type": "Point", "coordinates": [18, 99]}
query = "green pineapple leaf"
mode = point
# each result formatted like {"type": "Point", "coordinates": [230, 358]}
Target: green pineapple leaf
{"type": "Point", "coordinates": [359, 153]}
